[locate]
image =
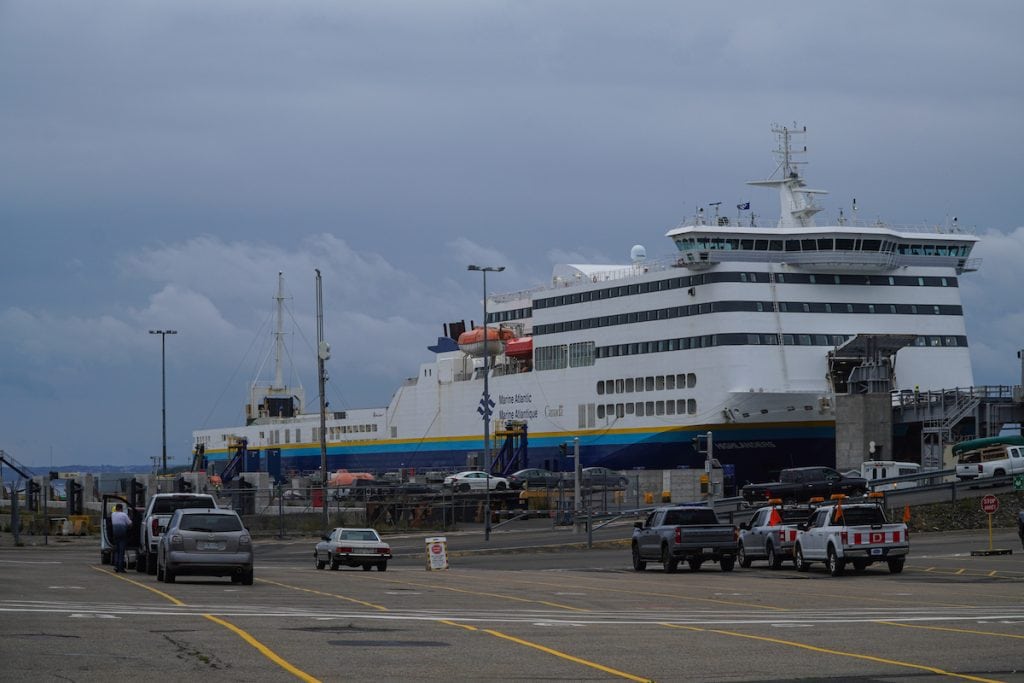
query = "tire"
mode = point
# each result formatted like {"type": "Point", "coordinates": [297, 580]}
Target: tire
{"type": "Point", "coordinates": [500, 486]}
{"type": "Point", "coordinates": [104, 557]}
{"type": "Point", "coordinates": [669, 563]}
{"type": "Point", "coordinates": [463, 487]}
{"type": "Point", "coordinates": [367, 567]}
{"type": "Point", "coordinates": [140, 563]}
{"type": "Point", "coordinates": [150, 563]}
{"type": "Point", "coordinates": [168, 576]}
{"type": "Point", "coordinates": [835, 566]}
{"type": "Point", "coordinates": [798, 560]}
{"type": "Point", "coordinates": [727, 564]}
{"type": "Point", "coordinates": [332, 563]}
{"type": "Point", "coordinates": [159, 574]}
{"type": "Point", "coordinates": [741, 555]}
{"type": "Point", "coordinates": [859, 566]}
{"type": "Point", "coordinates": [774, 561]}
{"type": "Point", "coordinates": [247, 577]}
{"type": "Point", "coordinates": [638, 564]}
{"type": "Point", "coordinates": [896, 565]}
{"type": "Point", "coordinates": [382, 566]}
{"type": "Point", "coordinates": [694, 564]}
{"type": "Point", "coordinates": [317, 562]}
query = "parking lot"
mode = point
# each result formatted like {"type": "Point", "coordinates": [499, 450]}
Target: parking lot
{"type": "Point", "coordinates": [530, 604]}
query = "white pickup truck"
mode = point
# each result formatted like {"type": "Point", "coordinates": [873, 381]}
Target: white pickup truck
{"type": "Point", "coordinates": [855, 533]}
{"type": "Point", "coordinates": [158, 512]}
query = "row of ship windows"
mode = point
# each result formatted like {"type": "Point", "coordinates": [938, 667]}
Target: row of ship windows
{"type": "Point", "coordinates": [822, 244]}
{"type": "Point", "coordinates": [681, 406]}
{"type": "Point", "coordinates": [628, 385]}
{"type": "Point", "coordinates": [555, 357]}
{"type": "Point", "coordinates": [333, 433]}
{"type": "Point", "coordinates": [744, 306]}
{"type": "Point", "coordinates": [712, 278]}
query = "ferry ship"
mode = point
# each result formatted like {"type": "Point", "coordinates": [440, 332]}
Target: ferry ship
{"type": "Point", "coordinates": [731, 335]}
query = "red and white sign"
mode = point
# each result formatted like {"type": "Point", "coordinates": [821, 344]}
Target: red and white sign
{"type": "Point", "coordinates": [990, 504]}
{"type": "Point", "coordinates": [437, 553]}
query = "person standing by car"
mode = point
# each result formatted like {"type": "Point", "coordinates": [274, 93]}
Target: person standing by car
{"type": "Point", "coordinates": [120, 524]}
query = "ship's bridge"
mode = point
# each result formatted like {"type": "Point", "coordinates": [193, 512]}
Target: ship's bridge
{"type": "Point", "coordinates": [877, 248]}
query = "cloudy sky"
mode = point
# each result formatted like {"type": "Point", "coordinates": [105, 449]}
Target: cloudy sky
{"type": "Point", "coordinates": [161, 162]}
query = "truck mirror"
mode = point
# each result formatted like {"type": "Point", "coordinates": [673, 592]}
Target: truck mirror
{"type": "Point", "coordinates": [745, 526]}
{"type": "Point", "coordinates": [638, 525]}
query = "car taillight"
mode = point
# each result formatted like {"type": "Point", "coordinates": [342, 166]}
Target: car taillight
{"type": "Point", "coordinates": [679, 535]}
{"type": "Point", "coordinates": [384, 550]}
{"type": "Point", "coordinates": [843, 537]}
{"type": "Point", "coordinates": [244, 539]}
{"type": "Point", "coordinates": [155, 524]}
{"type": "Point", "coordinates": [177, 541]}
{"type": "Point", "coordinates": [342, 549]}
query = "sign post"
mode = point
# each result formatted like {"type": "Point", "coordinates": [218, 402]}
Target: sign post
{"type": "Point", "coordinates": [990, 505]}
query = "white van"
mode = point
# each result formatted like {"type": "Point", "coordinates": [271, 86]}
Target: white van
{"type": "Point", "coordinates": [873, 470]}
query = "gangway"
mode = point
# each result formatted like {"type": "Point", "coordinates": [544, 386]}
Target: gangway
{"type": "Point", "coordinates": [512, 455]}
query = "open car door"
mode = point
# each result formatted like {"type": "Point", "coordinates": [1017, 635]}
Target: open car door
{"type": "Point", "coordinates": [107, 531]}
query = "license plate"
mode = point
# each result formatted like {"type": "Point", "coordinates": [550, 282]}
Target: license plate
{"type": "Point", "coordinates": [878, 551]}
{"type": "Point", "coordinates": [210, 545]}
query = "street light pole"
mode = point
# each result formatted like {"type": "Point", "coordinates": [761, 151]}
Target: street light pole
{"type": "Point", "coordinates": [485, 407]}
{"type": "Point", "coordinates": [163, 389]}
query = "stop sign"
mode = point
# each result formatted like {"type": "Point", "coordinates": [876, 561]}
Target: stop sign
{"type": "Point", "coordinates": [990, 504]}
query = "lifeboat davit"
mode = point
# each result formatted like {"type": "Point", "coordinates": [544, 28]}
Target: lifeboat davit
{"type": "Point", "coordinates": [472, 342]}
{"type": "Point", "coordinates": [520, 347]}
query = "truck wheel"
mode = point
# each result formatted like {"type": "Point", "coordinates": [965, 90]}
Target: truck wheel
{"type": "Point", "coordinates": [798, 560]}
{"type": "Point", "coordinates": [774, 561]}
{"type": "Point", "coordinates": [667, 561]}
{"type": "Point", "coordinates": [727, 564]}
{"type": "Point", "coordinates": [741, 555]}
{"type": "Point", "coordinates": [835, 566]}
{"type": "Point", "coordinates": [896, 565]}
{"type": "Point", "coordinates": [695, 564]}
{"type": "Point", "coordinates": [638, 564]}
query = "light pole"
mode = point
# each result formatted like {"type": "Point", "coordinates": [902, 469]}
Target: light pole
{"type": "Point", "coordinates": [163, 388]}
{"type": "Point", "coordinates": [486, 405]}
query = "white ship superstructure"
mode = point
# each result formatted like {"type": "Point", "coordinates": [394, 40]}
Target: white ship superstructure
{"type": "Point", "coordinates": [730, 335]}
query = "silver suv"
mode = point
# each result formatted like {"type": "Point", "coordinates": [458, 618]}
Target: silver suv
{"type": "Point", "coordinates": [205, 542]}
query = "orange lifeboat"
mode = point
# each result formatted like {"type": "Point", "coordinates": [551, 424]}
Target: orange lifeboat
{"type": "Point", "coordinates": [346, 478]}
{"type": "Point", "coordinates": [520, 347]}
{"type": "Point", "coordinates": [472, 341]}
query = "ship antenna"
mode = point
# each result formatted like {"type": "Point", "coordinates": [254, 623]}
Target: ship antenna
{"type": "Point", "coordinates": [279, 334]}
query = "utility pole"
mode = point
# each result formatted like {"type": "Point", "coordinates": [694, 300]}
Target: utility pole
{"type": "Point", "coordinates": [163, 389]}
{"type": "Point", "coordinates": [323, 352]}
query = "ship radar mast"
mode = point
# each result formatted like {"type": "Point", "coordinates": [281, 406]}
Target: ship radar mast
{"type": "Point", "coordinates": [275, 399]}
{"type": "Point", "coordinates": [796, 200]}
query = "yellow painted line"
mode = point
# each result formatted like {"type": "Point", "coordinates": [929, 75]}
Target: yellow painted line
{"type": "Point", "coordinates": [840, 653]}
{"type": "Point", "coordinates": [465, 626]}
{"type": "Point", "coordinates": [953, 630]}
{"type": "Point", "coordinates": [263, 649]}
{"type": "Point", "coordinates": [992, 573]}
{"type": "Point", "coordinates": [485, 594]}
{"type": "Point", "coordinates": [568, 657]}
{"type": "Point", "coordinates": [382, 608]}
{"type": "Point", "coordinates": [166, 596]}
{"type": "Point", "coordinates": [958, 572]}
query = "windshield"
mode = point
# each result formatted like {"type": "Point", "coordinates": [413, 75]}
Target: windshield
{"type": "Point", "coordinates": [210, 523]}
{"type": "Point", "coordinates": [165, 506]}
{"type": "Point", "coordinates": [853, 516]}
{"type": "Point", "coordinates": [357, 535]}
{"type": "Point", "coordinates": [691, 516]}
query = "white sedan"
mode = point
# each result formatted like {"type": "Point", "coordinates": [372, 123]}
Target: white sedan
{"type": "Point", "coordinates": [352, 548]}
{"type": "Point", "coordinates": [475, 479]}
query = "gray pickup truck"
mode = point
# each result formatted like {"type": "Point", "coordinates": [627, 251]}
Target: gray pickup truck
{"type": "Point", "coordinates": [692, 533]}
